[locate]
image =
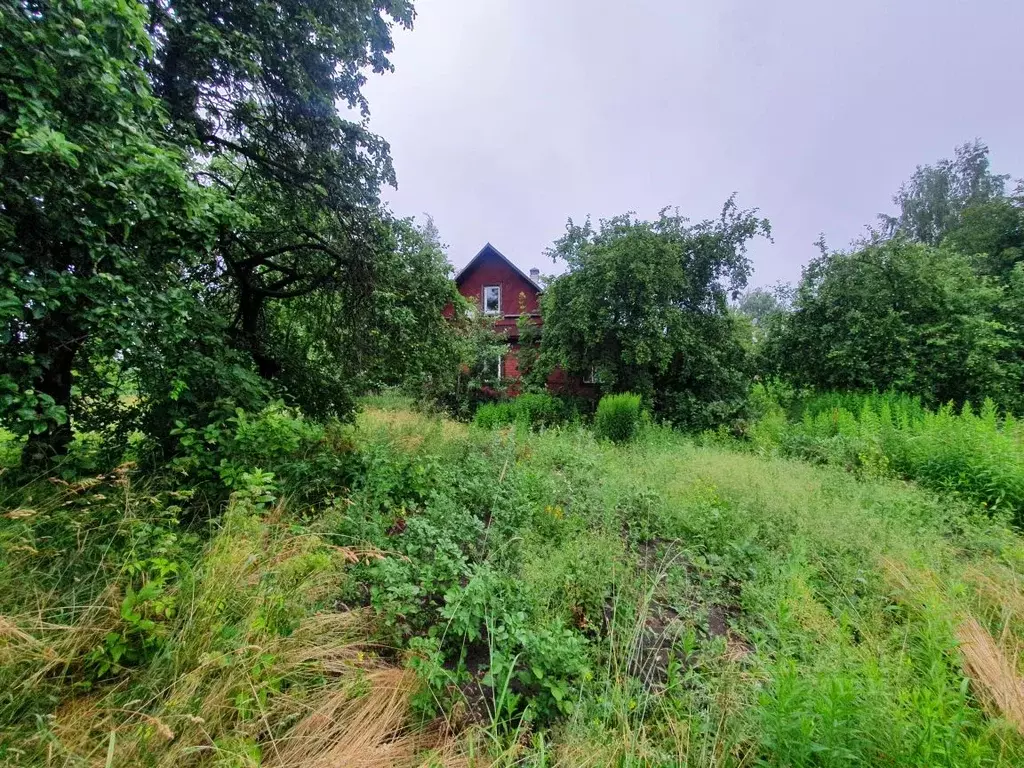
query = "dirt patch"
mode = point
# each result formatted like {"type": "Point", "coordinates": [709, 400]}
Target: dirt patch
{"type": "Point", "coordinates": [651, 649]}
{"type": "Point", "coordinates": [695, 608]}
{"type": "Point", "coordinates": [477, 699]}
{"type": "Point", "coordinates": [720, 619]}
{"type": "Point", "coordinates": [648, 553]}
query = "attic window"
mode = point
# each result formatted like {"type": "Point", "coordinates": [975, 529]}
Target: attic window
{"type": "Point", "coordinates": [492, 299]}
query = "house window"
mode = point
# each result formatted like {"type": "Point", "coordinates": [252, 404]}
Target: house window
{"type": "Point", "coordinates": [492, 299]}
{"type": "Point", "coordinates": [590, 377]}
{"type": "Point", "coordinates": [501, 367]}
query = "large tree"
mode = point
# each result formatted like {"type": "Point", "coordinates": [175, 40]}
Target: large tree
{"type": "Point", "coordinates": [932, 202]}
{"type": "Point", "coordinates": [254, 86]}
{"type": "Point", "coordinates": [182, 182]}
{"type": "Point", "coordinates": [95, 206]}
{"type": "Point", "coordinates": [350, 337]}
{"type": "Point", "coordinates": [644, 305]}
{"type": "Point", "coordinates": [900, 315]}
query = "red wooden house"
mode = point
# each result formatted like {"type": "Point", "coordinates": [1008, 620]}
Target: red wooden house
{"type": "Point", "coordinates": [503, 291]}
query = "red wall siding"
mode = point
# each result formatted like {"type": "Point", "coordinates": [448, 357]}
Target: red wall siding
{"type": "Point", "coordinates": [491, 270]}
{"type": "Point", "coordinates": [511, 365]}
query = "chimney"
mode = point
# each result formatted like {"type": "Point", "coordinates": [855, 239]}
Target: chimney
{"type": "Point", "coordinates": [534, 274]}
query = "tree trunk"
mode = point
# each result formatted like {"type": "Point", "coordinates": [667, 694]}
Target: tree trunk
{"type": "Point", "coordinates": [58, 343]}
{"type": "Point", "coordinates": [250, 310]}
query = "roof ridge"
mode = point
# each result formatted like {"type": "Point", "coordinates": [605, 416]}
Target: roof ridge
{"type": "Point", "coordinates": [488, 247]}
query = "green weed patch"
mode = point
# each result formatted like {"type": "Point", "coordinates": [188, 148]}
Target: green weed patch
{"type": "Point", "coordinates": [510, 597]}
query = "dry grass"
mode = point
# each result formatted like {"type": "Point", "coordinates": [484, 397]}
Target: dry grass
{"type": "Point", "coordinates": [231, 688]}
{"type": "Point", "coordinates": [410, 430]}
{"type": "Point", "coordinates": [990, 664]}
{"type": "Point", "coordinates": [371, 730]}
{"type": "Point", "coordinates": [46, 649]}
{"type": "Point", "coordinates": [993, 675]}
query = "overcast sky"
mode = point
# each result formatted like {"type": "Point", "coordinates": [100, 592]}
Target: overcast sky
{"type": "Point", "coordinates": [506, 117]}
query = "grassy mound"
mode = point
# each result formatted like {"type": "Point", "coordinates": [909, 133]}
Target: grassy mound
{"type": "Point", "coordinates": [513, 597]}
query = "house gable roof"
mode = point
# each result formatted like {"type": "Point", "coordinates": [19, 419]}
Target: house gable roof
{"type": "Point", "coordinates": [490, 250]}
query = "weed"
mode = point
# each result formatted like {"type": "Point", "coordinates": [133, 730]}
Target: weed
{"type": "Point", "coordinates": [515, 597]}
{"type": "Point", "coordinates": [618, 417]}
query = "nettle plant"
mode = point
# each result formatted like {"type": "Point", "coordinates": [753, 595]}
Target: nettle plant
{"type": "Point", "coordinates": [533, 666]}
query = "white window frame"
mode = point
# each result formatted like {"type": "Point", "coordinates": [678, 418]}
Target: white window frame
{"type": "Point", "coordinates": [590, 377]}
{"type": "Point", "coordinates": [483, 299]}
{"type": "Point", "coordinates": [501, 367]}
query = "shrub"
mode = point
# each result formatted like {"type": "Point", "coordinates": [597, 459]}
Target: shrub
{"type": "Point", "coordinates": [492, 415]}
{"type": "Point", "coordinates": [618, 417]}
{"type": "Point", "coordinates": [974, 455]}
{"type": "Point", "coordinates": [308, 459]}
{"type": "Point", "coordinates": [10, 448]}
{"type": "Point", "coordinates": [534, 410]}
{"type": "Point", "coordinates": [539, 409]}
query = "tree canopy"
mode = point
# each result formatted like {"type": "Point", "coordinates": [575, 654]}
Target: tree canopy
{"type": "Point", "coordinates": [189, 223]}
{"type": "Point", "coordinates": [929, 306]}
{"type": "Point", "coordinates": [897, 315]}
{"type": "Point", "coordinates": [644, 306]}
{"type": "Point", "coordinates": [933, 201]}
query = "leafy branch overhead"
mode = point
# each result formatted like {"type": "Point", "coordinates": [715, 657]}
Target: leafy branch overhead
{"type": "Point", "coordinates": [176, 173]}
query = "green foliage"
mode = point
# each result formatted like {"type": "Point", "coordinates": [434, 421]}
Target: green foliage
{"type": "Point", "coordinates": [277, 444]}
{"type": "Point", "coordinates": [253, 90]}
{"type": "Point", "coordinates": [618, 417]}
{"type": "Point", "coordinates": [973, 455]}
{"type": "Point", "coordinates": [347, 339]}
{"type": "Point", "coordinates": [492, 415]}
{"type": "Point", "coordinates": [204, 636]}
{"type": "Point", "coordinates": [930, 306]}
{"type": "Point", "coordinates": [900, 315]}
{"type": "Point", "coordinates": [95, 207]}
{"type": "Point", "coordinates": [536, 582]}
{"type": "Point", "coordinates": [532, 409]}
{"type": "Point", "coordinates": [644, 305]}
{"type": "Point", "coordinates": [167, 245]}
{"type": "Point", "coordinates": [534, 367]}
{"type": "Point", "coordinates": [933, 202]}
{"type": "Point", "coordinates": [993, 234]}
{"type": "Point", "coordinates": [470, 376]}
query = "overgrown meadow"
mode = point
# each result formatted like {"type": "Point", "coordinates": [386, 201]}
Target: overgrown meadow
{"type": "Point", "coordinates": [415, 591]}
{"type": "Point", "coordinates": [678, 537]}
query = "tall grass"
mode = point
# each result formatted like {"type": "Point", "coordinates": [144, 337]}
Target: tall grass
{"type": "Point", "coordinates": [825, 657]}
{"type": "Point", "coordinates": [239, 658]}
{"type": "Point", "coordinates": [529, 409]}
{"type": "Point", "coordinates": [509, 598]}
{"type": "Point", "coordinates": [976, 455]}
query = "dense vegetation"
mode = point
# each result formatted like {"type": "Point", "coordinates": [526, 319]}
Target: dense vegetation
{"type": "Point", "coordinates": [973, 455]}
{"type": "Point", "coordinates": [929, 305]}
{"type": "Point", "coordinates": [555, 598]}
{"type": "Point", "coordinates": [189, 224]}
{"type": "Point", "coordinates": [643, 306]}
{"type": "Point", "coordinates": [265, 501]}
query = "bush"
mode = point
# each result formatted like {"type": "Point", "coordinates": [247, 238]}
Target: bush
{"type": "Point", "coordinates": [306, 459]}
{"type": "Point", "coordinates": [974, 455]}
{"type": "Point", "coordinates": [618, 417]}
{"type": "Point", "coordinates": [539, 410]}
{"type": "Point", "coordinates": [493, 415]}
{"type": "Point", "coordinates": [534, 410]}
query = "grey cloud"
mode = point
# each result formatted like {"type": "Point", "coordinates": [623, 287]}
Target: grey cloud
{"type": "Point", "coordinates": [505, 118]}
